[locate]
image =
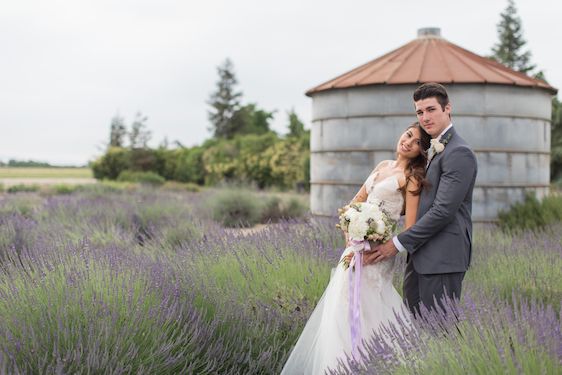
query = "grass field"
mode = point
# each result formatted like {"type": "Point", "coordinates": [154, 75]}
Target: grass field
{"type": "Point", "coordinates": [12, 172]}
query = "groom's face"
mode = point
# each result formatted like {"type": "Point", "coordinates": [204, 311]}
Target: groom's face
{"type": "Point", "coordinates": [432, 117]}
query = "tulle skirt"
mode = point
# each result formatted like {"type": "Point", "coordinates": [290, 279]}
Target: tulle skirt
{"type": "Point", "coordinates": [327, 334]}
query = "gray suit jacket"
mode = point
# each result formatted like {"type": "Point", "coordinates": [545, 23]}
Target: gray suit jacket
{"type": "Point", "coordinates": [441, 239]}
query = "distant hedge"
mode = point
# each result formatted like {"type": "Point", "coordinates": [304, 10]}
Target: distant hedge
{"type": "Point", "coordinates": [264, 160]}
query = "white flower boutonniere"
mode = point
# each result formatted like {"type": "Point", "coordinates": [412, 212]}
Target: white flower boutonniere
{"type": "Point", "coordinates": [437, 146]}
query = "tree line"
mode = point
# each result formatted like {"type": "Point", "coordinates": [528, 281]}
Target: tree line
{"type": "Point", "coordinates": [243, 147]}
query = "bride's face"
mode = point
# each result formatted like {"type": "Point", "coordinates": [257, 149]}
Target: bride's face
{"type": "Point", "coordinates": [409, 144]}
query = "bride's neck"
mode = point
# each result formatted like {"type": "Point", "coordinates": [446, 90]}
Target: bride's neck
{"type": "Point", "coordinates": [401, 162]}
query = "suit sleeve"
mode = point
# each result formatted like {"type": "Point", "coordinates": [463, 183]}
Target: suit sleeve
{"type": "Point", "coordinates": [458, 172]}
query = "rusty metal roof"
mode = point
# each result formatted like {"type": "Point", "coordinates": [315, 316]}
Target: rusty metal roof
{"type": "Point", "coordinates": [430, 58]}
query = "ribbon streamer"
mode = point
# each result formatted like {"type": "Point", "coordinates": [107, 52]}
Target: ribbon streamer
{"type": "Point", "coordinates": [354, 293]}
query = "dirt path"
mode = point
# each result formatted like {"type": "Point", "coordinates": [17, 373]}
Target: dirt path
{"type": "Point", "coordinates": [7, 182]}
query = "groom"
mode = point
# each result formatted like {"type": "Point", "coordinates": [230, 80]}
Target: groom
{"type": "Point", "coordinates": [439, 244]}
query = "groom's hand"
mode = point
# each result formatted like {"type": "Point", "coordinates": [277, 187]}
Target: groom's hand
{"type": "Point", "coordinates": [380, 253]}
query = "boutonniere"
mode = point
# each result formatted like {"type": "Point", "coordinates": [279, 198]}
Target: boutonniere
{"type": "Point", "coordinates": [437, 146]}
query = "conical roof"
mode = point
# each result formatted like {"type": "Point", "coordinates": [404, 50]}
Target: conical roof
{"type": "Point", "coordinates": [430, 58]}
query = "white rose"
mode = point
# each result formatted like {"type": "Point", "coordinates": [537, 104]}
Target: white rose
{"type": "Point", "coordinates": [371, 209]}
{"type": "Point", "coordinates": [381, 227]}
{"type": "Point", "coordinates": [438, 147]}
{"type": "Point", "coordinates": [364, 216]}
{"type": "Point", "coordinates": [358, 229]}
{"type": "Point", "coordinates": [351, 214]}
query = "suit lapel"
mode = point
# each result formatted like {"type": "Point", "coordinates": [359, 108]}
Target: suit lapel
{"type": "Point", "coordinates": [452, 133]}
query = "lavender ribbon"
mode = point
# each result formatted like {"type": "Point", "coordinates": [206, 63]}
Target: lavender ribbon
{"type": "Point", "coordinates": [354, 295]}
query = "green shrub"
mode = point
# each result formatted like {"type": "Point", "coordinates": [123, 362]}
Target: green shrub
{"type": "Point", "coordinates": [1, 188]}
{"type": "Point", "coordinates": [106, 187]}
{"type": "Point", "coordinates": [179, 186]}
{"type": "Point", "coordinates": [22, 188]}
{"type": "Point", "coordinates": [189, 165]}
{"type": "Point", "coordinates": [64, 189]}
{"type": "Point", "coordinates": [265, 159]}
{"type": "Point", "coordinates": [112, 163]}
{"type": "Point", "coordinates": [149, 178]}
{"type": "Point", "coordinates": [295, 208]}
{"type": "Point", "coordinates": [220, 160]}
{"type": "Point", "coordinates": [235, 208]}
{"type": "Point", "coordinates": [254, 163]}
{"type": "Point", "coordinates": [289, 161]}
{"type": "Point", "coordinates": [275, 209]}
{"type": "Point", "coordinates": [271, 210]}
{"type": "Point", "coordinates": [531, 214]}
{"type": "Point", "coordinates": [143, 159]}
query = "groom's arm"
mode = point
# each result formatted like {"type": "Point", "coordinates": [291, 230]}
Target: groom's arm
{"type": "Point", "coordinates": [458, 171]}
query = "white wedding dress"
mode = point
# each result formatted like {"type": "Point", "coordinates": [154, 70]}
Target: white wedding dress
{"type": "Point", "coordinates": [327, 334]}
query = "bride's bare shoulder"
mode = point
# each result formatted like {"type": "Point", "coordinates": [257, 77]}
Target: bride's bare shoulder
{"type": "Point", "coordinates": [383, 164]}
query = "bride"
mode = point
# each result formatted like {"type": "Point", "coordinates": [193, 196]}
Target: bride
{"type": "Point", "coordinates": [327, 334]}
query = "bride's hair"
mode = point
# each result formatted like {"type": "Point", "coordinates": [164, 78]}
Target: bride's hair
{"type": "Point", "coordinates": [415, 170]}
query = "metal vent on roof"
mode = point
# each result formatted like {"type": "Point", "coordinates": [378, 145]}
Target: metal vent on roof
{"type": "Point", "coordinates": [429, 31]}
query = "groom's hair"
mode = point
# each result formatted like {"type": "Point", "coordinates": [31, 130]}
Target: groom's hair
{"type": "Point", "coordinates": [432, 90]}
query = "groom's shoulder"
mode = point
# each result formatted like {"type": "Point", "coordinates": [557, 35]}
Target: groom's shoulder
{"type": "Point", "coordinates": [461, 152]}
{"type": "Point", "coordinates": [458, 141]}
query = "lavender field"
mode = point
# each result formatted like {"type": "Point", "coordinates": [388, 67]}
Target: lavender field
{"type": "Point", "coordinates": [112, 281]}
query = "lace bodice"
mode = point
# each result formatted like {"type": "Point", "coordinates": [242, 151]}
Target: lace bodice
{"type": "Point", "coordinates": [386, 191]}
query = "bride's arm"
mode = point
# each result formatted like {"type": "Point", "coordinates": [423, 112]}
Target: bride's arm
{"type": "Point", "coordinates": [412, 202]}
{"type": "Point", "coordinates": [361, 195]}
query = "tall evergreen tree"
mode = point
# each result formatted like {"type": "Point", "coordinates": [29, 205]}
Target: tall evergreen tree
{"type": "Point", "coordinates": [296, 126]}
{"type": "Point", "coordinates": [139, 135]}
{"type": "Point", "coordinates": [224, 102]}
{"type": "Point", "coordinates": [509, 49]}
{"type": "Point", "coordinates": [118, 132]}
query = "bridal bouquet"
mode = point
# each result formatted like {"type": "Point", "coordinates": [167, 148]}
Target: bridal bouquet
{"type": "Point", "coordinates": [365, 221]}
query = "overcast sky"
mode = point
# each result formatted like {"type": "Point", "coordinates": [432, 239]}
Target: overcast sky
{"type": "Point", "coordinates": [68, 66]}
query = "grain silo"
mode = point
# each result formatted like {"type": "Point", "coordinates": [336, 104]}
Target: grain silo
{"type": "Point", "coordinates": [504, 115]}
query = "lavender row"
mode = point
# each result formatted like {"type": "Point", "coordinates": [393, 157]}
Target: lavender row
{"type": "Point", "coordinates": [145, 282]}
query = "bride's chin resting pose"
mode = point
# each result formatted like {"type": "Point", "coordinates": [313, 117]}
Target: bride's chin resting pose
{"type": "Point", "coordinates": [360, 299]}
